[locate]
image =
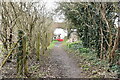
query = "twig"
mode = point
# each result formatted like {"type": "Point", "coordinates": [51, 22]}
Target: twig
{"type": "Point", "coordinates": [4, 61]}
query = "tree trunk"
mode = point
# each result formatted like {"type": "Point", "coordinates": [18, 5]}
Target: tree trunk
{"type": "Point", "coordinates": [101, 48]}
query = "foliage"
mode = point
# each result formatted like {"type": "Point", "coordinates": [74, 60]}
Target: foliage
{"type": "Point", "coordinates": [114, 67]}
{"type": "Point", "coordinates": [90, 63]}
{"type": "Point", "coordinates": [34, 21]}
{"type": "Point", "coordinates": [95, 25]}
{"type": "Point", "coordinates": [75, 45]}
{"type": "Point", "coordinates": [78, 46]}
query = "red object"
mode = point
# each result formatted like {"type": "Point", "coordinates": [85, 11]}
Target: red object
{"type": "Point", "coordinates": [60, 39]}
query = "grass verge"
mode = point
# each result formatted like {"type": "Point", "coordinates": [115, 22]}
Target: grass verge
{"type": "Point", "coordinates": [92, 66]}
{"type": "Point", "coordinates": [52, 44]}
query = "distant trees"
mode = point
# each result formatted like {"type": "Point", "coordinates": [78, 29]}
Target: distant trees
{"type": "Point", "coordinates": [95, 24]}
{"type": "Point", "coordinates": [30, 18]}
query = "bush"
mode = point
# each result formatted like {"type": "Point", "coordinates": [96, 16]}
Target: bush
{"type": "Point", "coordinates": [84, 50]}
{"type": "Point", "coordinates": [78, 46]}
{"type": "Point", "coordinates": [75, 45]}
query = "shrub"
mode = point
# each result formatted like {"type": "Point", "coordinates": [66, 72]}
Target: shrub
{"type": "Point", "coordinates": [84, 50]}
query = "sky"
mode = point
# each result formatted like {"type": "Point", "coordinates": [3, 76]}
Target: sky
{"type": "Point", "coordinates": [51, 5]}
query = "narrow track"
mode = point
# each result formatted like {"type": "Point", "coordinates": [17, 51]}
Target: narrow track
{"type": "Point", "coordinates": [63, 65]}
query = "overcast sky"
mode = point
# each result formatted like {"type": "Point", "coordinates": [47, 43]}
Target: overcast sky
{"type": "Point", "coordinates": [51, 5]}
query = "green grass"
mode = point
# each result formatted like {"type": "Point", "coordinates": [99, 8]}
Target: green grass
{"type": "Point", "coordinates": [52, 44]}
{"type": "Point", "coordinates": [64, 42]}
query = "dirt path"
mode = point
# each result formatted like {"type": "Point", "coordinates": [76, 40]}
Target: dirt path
{"type": "Point", "coordinates": [63, 65]}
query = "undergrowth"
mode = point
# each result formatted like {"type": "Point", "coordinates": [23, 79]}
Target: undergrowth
{"type": "Point", "coordinates": [89, 61]}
